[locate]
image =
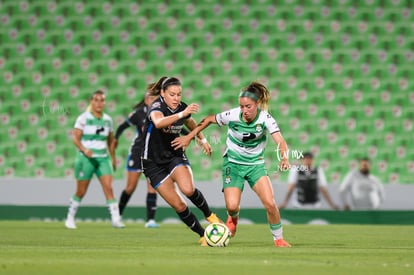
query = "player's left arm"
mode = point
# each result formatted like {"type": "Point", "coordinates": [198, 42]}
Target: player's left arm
{"type": "Point", "coordinates": [111, 148]}
{"type": "Point", "coordinates": [282, 150]}
{"type": "Point", "coordinates": [191, 125]}
{"type": "Point", "coordinates": [183, 141]}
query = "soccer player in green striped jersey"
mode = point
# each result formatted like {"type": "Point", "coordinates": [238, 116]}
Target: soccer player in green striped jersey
{"type": "Point", "coordinates": [243, 160]}
{"type": "Point", "coordinates": [92, 136]}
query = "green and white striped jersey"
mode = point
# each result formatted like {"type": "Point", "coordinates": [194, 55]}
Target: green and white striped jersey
{"type": "Point", "coordinates": [246, 142]}
{"type": "Point", "coordinates": [95, 132]}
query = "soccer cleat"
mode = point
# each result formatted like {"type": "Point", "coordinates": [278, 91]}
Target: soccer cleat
{"type": "Point", "coordinates": [70, 222]}
{"type": "Point", "coordinates": [151, 224]}
{"type": "Point", "coordinates": [231, 225]}
{"type": "Point", "coordinates": [203, 241]}
{"type": "Point", "coordinates": [213, 219]}
{"type": "Point", "coordinates": [118, 224]}
{"type": "Point", "coordinates": [282, 243]}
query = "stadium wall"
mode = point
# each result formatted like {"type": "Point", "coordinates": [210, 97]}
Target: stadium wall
{"type": "Point", "coordinates": [47, 199]}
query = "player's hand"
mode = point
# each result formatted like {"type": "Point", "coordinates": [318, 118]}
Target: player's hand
{"type": "Point", "coordinates": [193, 108]}
{"type": "Point", "coordinates": [284, 165]}
{"type": "Point", "coordinates": [180, 142]}
{"type": "Point", "coordinates": [88, 153]}
{"type": "Point", "coordinates": [114, 164]}
{"type": "Point", "coordinates": [207, 148]}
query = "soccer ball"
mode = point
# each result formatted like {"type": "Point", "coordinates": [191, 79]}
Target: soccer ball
{"type": "Point", "coordinates": [217, 234]}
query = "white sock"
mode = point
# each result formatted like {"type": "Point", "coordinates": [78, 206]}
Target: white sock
{"type": "Point", "coordinates": [277, 231]}
{"type": "Point", "coordinates": [114, 210]}
{"type": "Point", "coordinates": [73, 206]}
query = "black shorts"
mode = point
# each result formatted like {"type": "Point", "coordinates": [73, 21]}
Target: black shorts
{"type": "Point", "coordinates": [158, 173]}
{"type": "Point", "coordinates": [134, 163]}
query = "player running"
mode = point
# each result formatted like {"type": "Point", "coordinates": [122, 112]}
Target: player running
{"type": "Point", "coordinates": [248, 125]}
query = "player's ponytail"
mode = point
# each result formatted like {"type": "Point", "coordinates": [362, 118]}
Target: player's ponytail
{"type": "Point", "coordinates": [258, 92]}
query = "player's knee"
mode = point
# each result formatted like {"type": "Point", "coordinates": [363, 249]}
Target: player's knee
{"type": "Point", "coordinates": [270, 207]}
{"type": "Point", "coordinates": [179, 207]}
{"type": "Point", "coordinates": [232, 207]}
{"type": "Point", "coordinates": [188, 191]}
{"type": "Point", "coordinates": [130, 189]}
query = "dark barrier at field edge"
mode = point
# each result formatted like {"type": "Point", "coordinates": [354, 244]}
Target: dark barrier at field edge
{"type": "Point", "coordinates": [91, 213]}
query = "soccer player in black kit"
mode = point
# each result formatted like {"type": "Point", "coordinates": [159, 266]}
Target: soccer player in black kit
{"type": "Point", "coordinates": [165, 167]}
{"type": "Point", "coordinates": [134, 170]}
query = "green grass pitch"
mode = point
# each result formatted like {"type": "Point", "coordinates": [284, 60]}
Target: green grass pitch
{"type": "Point", "coordinates": [97, 248]}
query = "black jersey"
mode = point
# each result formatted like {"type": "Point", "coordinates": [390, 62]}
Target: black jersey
{"type": "Point", "coordinates": [307, 186]}
{"type": "Point", "coordinates": [136, 118]}
{"type": "Point", "coordinates": [157, 146]}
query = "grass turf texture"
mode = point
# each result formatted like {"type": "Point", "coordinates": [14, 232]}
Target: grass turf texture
{"type": "Point", "coordinates": [97, 248]}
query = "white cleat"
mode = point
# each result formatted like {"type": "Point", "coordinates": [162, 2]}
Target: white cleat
{"type": "Point", "coordinates": [151, 224]}
{"type": "Point", "coordinates": [118, 224]}
{"type": "Point", "coordinates": [70, 223]}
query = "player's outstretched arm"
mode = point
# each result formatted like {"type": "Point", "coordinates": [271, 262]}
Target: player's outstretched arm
{"type": "Point", "coordinates": [184, 141]}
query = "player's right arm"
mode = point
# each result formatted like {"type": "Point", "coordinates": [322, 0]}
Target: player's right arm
{"type": "Point", "coordinates": [160, 121]}
{"type": "Point", "coordinates": [121, 128]}
{"type": "Point", "coordinates": [77, 136]}
{"type": "Point", "coordinates": [184, 141]}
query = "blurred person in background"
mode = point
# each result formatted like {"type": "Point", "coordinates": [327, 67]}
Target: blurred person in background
{"type": "Point", "coordinates": [309, 181]}
{"type": "Point", "coordinates": [137, 119]}
{"type": "Point", "coordinates": [361, 190]}
{"type": "Point", "coordinates": [92, 136]}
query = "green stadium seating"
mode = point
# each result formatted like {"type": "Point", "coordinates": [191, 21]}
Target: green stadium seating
{"type": "Point", "coordinates": [343, 92]}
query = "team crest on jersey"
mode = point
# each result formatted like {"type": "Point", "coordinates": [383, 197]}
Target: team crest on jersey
{"type": "Point", "coordinates": [259, 128]}
{"type": "Point", "coordinates": [156, 105]}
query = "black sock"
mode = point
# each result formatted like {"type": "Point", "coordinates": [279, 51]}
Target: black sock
{"type": "Point", "coordinates": [198, 199]}
{"type": "Point", "coordinates": [123, 201]}
{"type": "Point", "coordinates": [191, 221]}
{"type": "Point", "coordinates": [151, 205]}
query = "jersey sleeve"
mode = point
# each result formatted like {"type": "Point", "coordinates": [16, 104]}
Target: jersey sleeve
{"type": "Point", "coordinates": [111, 124]}
{"type": "Point", "coordinates": [155, 107]}
{"type": "Point", "coordinates": [80, 122]}
{"type": "Point", "coordinates": [225, 117]}
{"type": "Point", "coordinates": [133, 118]}
{"type": "Point", "coordinates": [271, 123]}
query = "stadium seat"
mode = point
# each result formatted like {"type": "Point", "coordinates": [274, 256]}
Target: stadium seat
{"type": "Point", "coordinates": [341, 70]}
